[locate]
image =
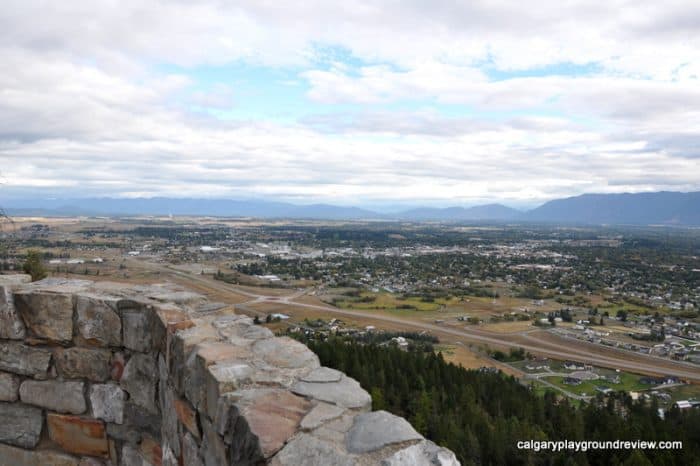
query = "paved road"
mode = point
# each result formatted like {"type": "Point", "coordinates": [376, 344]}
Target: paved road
{"type": "Point", "coordinates": [577, 350]}
{"type": "Point", "coordinates": [549, 349]}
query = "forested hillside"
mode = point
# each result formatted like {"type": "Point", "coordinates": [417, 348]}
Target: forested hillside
{"type": "Point", "coordinates": [481, 416]}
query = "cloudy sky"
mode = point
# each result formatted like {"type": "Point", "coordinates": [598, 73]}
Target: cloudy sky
{"type": "Point", "coordinates": [361, 102]}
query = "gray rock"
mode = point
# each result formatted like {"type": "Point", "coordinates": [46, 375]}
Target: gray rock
{"type": "Point", "coordinates": [107, 401]}
{"type": "Point", "coordinates": [78, 363]}
{"type": "Point", "coordinates": [258, 422]}
{"type": "Point", "coordinates": [21, 424]}
{"type": "Point", "coordinates": [178, 297]}
{"type": "Point", "coordinates": [335, 430]}
{"type": "Point", "coordinates": [320, 414]}
{"type": "Point", "coordinates": [269, 376]}
{"type": "Point", "coordinates": [162, 368]}
{"type": "Point", "coordinates": [9, 386]}
{"type": "Point", "coordinates": [210, 308]}
{"type": "Point", "coordinates": [86, 461]}
{"type": "Point", "coordinates": [372, 431]}
{"type": "Point", "coordinates": [194, 379]}
{"type": "Point", "coordinates": [62, 397]}
{"type": "Point", "coordinates": [138, 333]}
{"type": "Point", "coordinates": [168, 457]}
{"type": "Point", "coordinates": [425, 453]}
{"type": "Point", "coordinates": [47, 315]}
{"type": "Point", "coordinates": [136, 421]}
{"type": "Point", "coordinates": [323, 375]}
{"type": "Point", "coordinates": [139, 379]}
{"type": "Point", "coordinates": [183, 345]}
{"type": "Point", "coordinates": [130, 303]}
{"type": "Point", "coordinates": [286, 353]}
{"type": "Point", "coordinates": [346, 393]}
{"type": "Point", "coordinates": [132, 457]}
{"type": "Point", "coordinates": [310, 451]}
{"type": "Point", "coordinates": [98, 323]}
{"type": "Point", "coordinates": [232, 325]}
{"type": "Point", "coordinates": [170, 427]}
{"type": "Point", "coordinates": [213, 447]}
{"type": "Point", "coordinates": [223, 378]}
{"type": "Point", "coordinates": [123, 432]}
{"type": "Point", "coordinates": [140, 420]}
{"type": "Point", "coordinates": [190, 451]}
{"type": "Point", "coordinates": [13, 456]}
{"type": "Point", "coordinates": [62, 285]}
{"type": "Point", "coordinates": [15, 279]}
{"type": "Point", "coordinates": [25, 360]}
{"type": "Point", "coordinates": [257, 332]}
{"type": "Point", "coordinates": [11, 325]}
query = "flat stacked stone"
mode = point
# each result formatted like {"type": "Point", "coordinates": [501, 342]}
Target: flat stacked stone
{"type": "Point", "coordinates": [54, 395]}
{"type": "Point", "coordinates": [21, 424]}
{"type": "Point", "coordinates": [12, 456]}
{"type": "Point", "coordinates": [139, 380]}
{"type": "Point", "coordinates": [9, 387]}
{"type": "Point", "coordinates": [334, 387]}
{"type": "Point", "coordinates": [79, 363]}
{"type": "Point", "coordinates": [79, 435]}
{"type": "Point", "coordinates": [150, 375]}
{"type": "Point", "coordinates": [11, 325]}
{"type": "Point", "coordinates": [47, 315]}
{"type": "Point", "coordinates": [97, 320]}
{"type": "Point", "coordinates": [22, 359]}
{"type": "Point", "coordinates": [107, 401]}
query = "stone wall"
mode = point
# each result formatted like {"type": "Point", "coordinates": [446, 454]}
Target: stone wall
{"type": "Point", "coordinates": [96, 373]}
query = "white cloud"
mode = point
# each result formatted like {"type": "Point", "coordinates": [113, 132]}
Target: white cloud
{"type": "Point", "coordinates": [86, 108]}
{"type": "Point", "coordinates": [651, 38]}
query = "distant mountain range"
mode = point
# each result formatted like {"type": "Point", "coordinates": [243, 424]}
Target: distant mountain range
{"type": "Point", "coordinates": [188, 206]}
{"type": "Point", "coordinates": [660, 208]}
{"type": "Point", "coordinates": [481, 212]}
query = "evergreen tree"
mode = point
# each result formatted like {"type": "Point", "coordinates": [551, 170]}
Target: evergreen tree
{"type": "Point", "coordinates": [34, 266]}
{"type": "Point", "coordinates": [481, 416]}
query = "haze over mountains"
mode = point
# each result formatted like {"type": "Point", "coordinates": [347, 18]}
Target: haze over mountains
{"type": "Point", "coordinates": [662, 208]}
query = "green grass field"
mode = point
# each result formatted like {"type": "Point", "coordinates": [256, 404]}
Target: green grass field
{"type": "Point", "coordinates": [539, 389]}
{"type": "Point", "coordinates": [685, 392]}
{"type": "Point", "coordinates": [628, 382]}
{"type": "Point", "coordinates": [393, 302]}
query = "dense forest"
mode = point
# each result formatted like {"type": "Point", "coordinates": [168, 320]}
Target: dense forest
{"type": "Point", "coordinates": [481, 416]}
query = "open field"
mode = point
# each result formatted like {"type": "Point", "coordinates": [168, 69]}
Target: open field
{"type": "Point", "coordinates": [391, 311]}
{"type": "Point", "coordinates": [393, 302]}
{"type": "Point", "coordinates": [628, 382]}
{"type": "Point", "coordinates": [460, 355]}
{"type": "Point", "coordinates": [685, 392]}
{"type": "Point", "coordinates": [476, 306]}
{"type": "Point", "coordinates": [509, 327]}
{"type": "Point", "coordinates": [538, 342]}
{"type": "Point", "coordinates": [473, 359]}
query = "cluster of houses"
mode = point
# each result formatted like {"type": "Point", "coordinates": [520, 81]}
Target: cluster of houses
{"type": "Point", "coordinates": [324, 329]}
{"type": "Point", "coordinates": [677, 350]}
{"type": "Point", "coordinates": [680, 404]}
{"type": "Point", "coordinates": [667, 380]}
{"type": "Point", "coordinates": [581, 372]}
{"type": "Point", "coordinates": [538, 364]}
{"type": "Point", "coordinates": [673, 347]}
{"type": "Point", "coordinates": [686, 404]}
